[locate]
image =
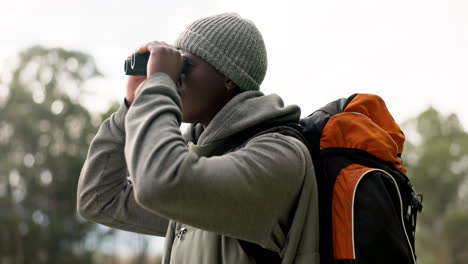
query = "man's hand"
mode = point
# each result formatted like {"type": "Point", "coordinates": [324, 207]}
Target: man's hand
{"type": "Point", "coordinates": [163, 58]}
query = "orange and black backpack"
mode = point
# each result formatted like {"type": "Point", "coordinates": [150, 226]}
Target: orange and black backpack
{"type": "Point", "coordinates": [367, 205]}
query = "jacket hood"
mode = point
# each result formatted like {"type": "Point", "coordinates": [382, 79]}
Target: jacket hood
{"type": "Point", "coordinates": [242, 112]}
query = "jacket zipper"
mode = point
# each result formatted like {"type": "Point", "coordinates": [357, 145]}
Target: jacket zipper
{"type": "Point", "coordinates": [181, 233]}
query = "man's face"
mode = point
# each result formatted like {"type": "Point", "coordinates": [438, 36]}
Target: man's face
{"type": "Point", "coordinates": [202, 92]}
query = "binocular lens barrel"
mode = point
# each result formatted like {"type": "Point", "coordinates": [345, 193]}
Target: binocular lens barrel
{"type": "Point", "coordinates": [136, 64]}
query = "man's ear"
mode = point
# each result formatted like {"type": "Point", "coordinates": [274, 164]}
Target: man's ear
{"type": "Point", "coordinates": [231, 88]}
{"type": "Point", "coordinates": [229, 84]}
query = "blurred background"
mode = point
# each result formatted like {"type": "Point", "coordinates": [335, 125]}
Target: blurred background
{"type": "Point", "coordinates": [61, 75]}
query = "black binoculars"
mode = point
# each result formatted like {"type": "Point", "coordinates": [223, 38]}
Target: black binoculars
{"type": "Point", "coordinates": [136, 65]}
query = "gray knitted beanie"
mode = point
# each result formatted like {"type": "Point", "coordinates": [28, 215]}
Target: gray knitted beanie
{"type": "Point", "coordinates": [231, 44]}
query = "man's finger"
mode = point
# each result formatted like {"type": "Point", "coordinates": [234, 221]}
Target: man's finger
{"type": "Point", "coordinates": [144, 48]}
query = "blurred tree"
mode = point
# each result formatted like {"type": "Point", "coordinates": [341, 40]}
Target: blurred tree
{"type": "Point", "coordinates": [436, 156]}
{"type": "Point", "coordinates": [44, 138]}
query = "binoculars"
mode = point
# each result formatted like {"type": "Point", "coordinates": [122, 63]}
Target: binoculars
{"type": "Point", "coordinates": [136, 65]}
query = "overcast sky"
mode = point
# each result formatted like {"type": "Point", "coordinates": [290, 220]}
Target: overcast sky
{"type": "Point", "coordinates": [413, 53]}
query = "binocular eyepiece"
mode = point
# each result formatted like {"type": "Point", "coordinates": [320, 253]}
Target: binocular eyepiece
{"type": "Point", "coordinates": [137, 63]}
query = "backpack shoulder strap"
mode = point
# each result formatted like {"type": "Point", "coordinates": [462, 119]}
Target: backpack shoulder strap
{"type": "Point", "coordinates": [288, 129]}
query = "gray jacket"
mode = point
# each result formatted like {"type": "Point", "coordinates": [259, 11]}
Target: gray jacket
{"type": "Point", "coordinates": [140, 172]}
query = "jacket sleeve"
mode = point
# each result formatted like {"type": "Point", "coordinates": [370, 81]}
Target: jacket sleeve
{"type": "Point", "coordinates": [247, 194]}
{"type": "Point", "coordinates": [105, 195]}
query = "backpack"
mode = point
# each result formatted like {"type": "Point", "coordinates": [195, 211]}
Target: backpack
{"type": "Point", "coordinates": [367, 205]}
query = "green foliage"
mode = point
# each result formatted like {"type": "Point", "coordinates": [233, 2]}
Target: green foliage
{"type": "Point", "coordinates": [44, 138]}
{"type": "Point", "coordinates": [437, 162]}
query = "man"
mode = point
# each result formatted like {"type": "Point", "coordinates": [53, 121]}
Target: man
{"type": "Point", "coordinates": [223, 197]}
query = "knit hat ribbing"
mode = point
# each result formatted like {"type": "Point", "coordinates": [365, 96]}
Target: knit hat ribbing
{"type": "Point", "coordinates": [231, 44]}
